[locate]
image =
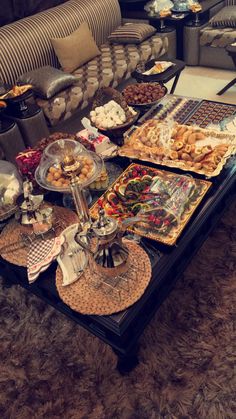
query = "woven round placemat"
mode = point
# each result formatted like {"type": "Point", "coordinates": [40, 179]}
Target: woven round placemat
{"type": "Point", "coordinates": [13, 249]}
{"type": "Point", "coordinates": [83, 296]}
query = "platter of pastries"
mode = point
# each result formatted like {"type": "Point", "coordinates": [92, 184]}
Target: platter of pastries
{"type": "Point", "coordinates": [153, 203]}
{"type": "Point", "coordinates": [181, 146]}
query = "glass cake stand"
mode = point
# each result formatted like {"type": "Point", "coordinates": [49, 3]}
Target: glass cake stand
{"type": "Point", "coordinates": [66, 166]}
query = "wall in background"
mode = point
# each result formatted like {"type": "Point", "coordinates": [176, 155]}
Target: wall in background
{"type": "Point", "coordinates": [11, 10]}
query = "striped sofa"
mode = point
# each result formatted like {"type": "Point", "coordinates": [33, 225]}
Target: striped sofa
{"type": "Point", "coordinates": [25, 45]}
{"type": "Point", "coordinates": [205, 45]}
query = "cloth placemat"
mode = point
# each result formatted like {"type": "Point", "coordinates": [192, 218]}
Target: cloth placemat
{"type": "Point", "coordinates": [12, 247]}
{"type": "Point", "coordinates": [87, 298]}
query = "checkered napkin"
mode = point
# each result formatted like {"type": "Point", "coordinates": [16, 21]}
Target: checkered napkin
{"type": "Point", "coordinates": [41, 254]}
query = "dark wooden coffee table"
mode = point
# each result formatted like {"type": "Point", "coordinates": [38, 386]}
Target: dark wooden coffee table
{"type": "Point", "coordinates": [232, 53]}
{"type": "Point", "coordinates": [172, 72]}
{"type": "Point", "coordinates": [122, 331]}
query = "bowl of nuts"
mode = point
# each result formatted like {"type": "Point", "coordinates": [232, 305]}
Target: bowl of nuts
{"type": "Point", "coordinates": [144, 95]}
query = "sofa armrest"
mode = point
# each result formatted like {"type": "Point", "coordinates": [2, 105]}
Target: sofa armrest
{"type": "Point", "coordinates": [192, 44]}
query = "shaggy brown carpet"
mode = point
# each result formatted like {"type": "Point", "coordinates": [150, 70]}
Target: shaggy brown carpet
{"type": "Point", "coordinates": [51, 368]}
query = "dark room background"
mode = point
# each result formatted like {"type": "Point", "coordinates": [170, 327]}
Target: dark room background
{"type": "Point", "coordinates": [11, 10]}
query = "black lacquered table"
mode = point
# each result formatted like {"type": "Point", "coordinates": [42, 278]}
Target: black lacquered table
{"type": "Point", "coordinates": [122, 331]}
{"type": "Point", "coordinates": [172, 72]}
{"type": "Point", "coordinates": [231, 49]}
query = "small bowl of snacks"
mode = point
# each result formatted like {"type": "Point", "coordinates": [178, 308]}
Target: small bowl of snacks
{"type": "Point", "coordinates": [111, 114]}
{"type": "Point", "coordinates": [17, 93]}
{"type": "Point", "coordinates": [144, 95]}
{"type": "Point", "coordinates": [63, 158]}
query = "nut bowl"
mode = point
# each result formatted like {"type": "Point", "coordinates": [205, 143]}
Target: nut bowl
{"type": "Point", "coordinates": [50, 173]}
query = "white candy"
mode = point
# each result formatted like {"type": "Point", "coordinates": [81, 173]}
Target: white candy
{"type": "Point", "coordinates": [109, 115]}
{"type": "Point", "coordinates": [110, 124]}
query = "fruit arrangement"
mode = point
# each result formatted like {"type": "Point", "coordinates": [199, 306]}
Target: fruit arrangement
{"type": "Point", "coordinates": [143, 93]}
{"type": "Point", "coordinates": [56, 177]}
{"type": "Point", "coordinates": [151, 202]}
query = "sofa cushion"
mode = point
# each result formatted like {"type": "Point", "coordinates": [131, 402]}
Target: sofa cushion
{"type": "Point", "coordinates": [114, 65]}
{"type": "Point", "coordinates": [47, 80]}
{"type": "Point", "coordinates": [132, 33]}
{"type": "Point", "coordinates": [76, 49]}
{"type": "Point", "coordinates": [217, 37]}
{"type": "Point", "coordinates": [25, 45]}
{"type": "Point", "coordinates": [225, 18]}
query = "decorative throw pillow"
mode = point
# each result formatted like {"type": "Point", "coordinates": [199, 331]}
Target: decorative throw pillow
{"type": "Point", "coordinates": [132, 33]}
{"type": "Point", "coordinates": [76, 49]}
{"type": "Point", "coordinates": [225, 18]}
{"type": "Point", "coordinates": [47, 81]}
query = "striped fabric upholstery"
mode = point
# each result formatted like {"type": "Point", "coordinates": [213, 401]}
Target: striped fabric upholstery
{"type": "Point", "coordinates": [113, 66]}
{"type": "Point", "coordinates": [217, 37]}
{"type": "Point", "coordinates": [132, 33]}
{"type": "Point", "coordinates": [225, 18]}
{"type": "Point", "coordinates": [230, 2]}
{"type": "Point", "coordinates": [25, 45]}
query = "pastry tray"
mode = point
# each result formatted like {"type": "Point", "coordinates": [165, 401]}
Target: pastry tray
{"type": "Point", "coordinates": [151, 231]}
{"type": "Point", "coordinates": [147, 153]}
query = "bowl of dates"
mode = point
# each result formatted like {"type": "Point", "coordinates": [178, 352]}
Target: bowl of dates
{"type": "Point", "coordinates": [144, 94]}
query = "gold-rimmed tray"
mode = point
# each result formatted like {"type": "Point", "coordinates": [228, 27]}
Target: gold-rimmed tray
{"type": "Point", "coordinates": [168, 222]}
{"type": "Point", "coordinates": [143, 143]}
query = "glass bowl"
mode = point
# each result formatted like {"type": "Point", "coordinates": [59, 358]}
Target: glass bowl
{"type": "Point", "coordinates": [63, 157]}
{"type": "Point", "coordinates": [9, 208]}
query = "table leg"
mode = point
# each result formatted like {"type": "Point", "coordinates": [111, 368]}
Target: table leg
{"type": "Point", "coordinates": [175, 83]}
{"type": "Point", "coordinates": [230, 84]}
{"type": "Point", "coordinates": [126, 362]}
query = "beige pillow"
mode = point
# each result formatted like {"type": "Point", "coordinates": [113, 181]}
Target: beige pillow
{"type": "Point", "coordinates": [76, 49]}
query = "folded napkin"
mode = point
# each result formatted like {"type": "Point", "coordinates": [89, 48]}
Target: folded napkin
{"type": "Point", "coordinates": [41, 254]}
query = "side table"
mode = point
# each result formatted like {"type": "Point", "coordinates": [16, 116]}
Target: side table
{"type": "Point", "coordinates": [11, 142]}
{"type": "Point", "coordinates": [232, 53]}
{"type": "Point", "coordinates": [31, 123]}
{"type": "Point", "coordinates": [170, 73]}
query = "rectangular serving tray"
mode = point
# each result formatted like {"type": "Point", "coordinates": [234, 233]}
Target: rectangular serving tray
{"type": "Point", "coordinates": [174, 234]}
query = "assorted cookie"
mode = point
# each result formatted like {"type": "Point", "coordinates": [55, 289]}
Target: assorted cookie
{"type": "Point", "coordinates": [183, 146]}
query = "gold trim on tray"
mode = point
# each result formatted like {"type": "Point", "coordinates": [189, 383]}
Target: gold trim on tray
{"type": "Point", "coordinates": [172, 236]}
{"type": "Point", "coordinates": [210, 165]}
